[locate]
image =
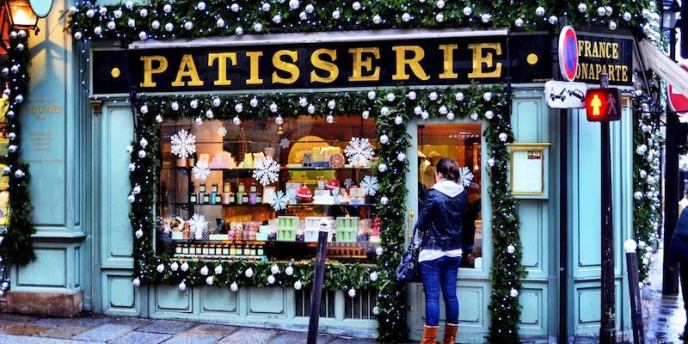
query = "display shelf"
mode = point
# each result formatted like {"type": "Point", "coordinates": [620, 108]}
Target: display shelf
{"type": "Point", "coordinates": [275, 250]}
{"type": "Point", "coordinates": [186, 204]}
{"type": "Point", "coordinates": [282, 168]}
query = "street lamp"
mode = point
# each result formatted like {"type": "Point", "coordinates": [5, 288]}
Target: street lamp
{"type": "Point", "coordinates": [20, 15]}
{"type": "Point", "coordinates": [670, 10]}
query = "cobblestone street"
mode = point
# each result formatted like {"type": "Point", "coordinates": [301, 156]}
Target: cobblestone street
{"type": "Point", "coordinates": [35, 330]}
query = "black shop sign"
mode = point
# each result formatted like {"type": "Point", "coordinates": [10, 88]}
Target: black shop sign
{"type": "Point", "coordinates": [411, 61]}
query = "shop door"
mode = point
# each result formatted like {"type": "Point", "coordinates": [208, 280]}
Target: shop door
{"type": "Point", "coordinates": [113, 291]}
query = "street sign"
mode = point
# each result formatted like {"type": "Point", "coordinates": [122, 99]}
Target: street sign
{"type": "Point", "coordinates": [603, 104]}
{"type": "Point", "coordinates": [565, 95]}
{"type": "Point", "coordinates": [677, 100]}
{"type": "Point", "coordinates": [568, 53]}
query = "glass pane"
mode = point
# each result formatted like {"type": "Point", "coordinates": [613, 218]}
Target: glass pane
{"type": "Point", "coordinates": [321, 186]}
{"type": "Point", "coordinates": [460, 142]}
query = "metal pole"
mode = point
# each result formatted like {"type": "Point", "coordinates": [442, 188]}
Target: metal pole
{"type": "Point", "coordinates": [318, 279]}
{"type": "Point", "coordinates": [634, 291]}
{"type": "Point", "coordinates": [608, 327]}
{"type": "Point", "coordinates": [671, 189]}
{"type": "Point", "coordinates": [671, 198]}
{"type": "Point", "coordinates": [563, 202]}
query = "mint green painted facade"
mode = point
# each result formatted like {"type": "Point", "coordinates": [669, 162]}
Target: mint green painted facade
{"type": "Point", "coordinates": [80, 184]}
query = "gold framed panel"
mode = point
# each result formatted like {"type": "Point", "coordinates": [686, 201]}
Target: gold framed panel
{"type": "Point", "coordinates": [528, 169]}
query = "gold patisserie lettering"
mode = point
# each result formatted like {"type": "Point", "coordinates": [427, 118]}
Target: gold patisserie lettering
{"type": "Point", "coordinates": [221, 59]}
{"type": "Point", "coordinates": [483, 60]}
{"type": "Point", "coordinates": [327, 66]}
{"type": "Point", "coordinates": [254, 71]}
{"type": "Point", "coordinates": [363, 64]}
{"type": "Point", "coordinates": [289, 67]}
{"type": "Point", "coordinates": [414, 62]}
{"type": "Point", "coordinates": [187, 69]}
{"type": "Point", "coordinates": [448, 61]}
{"type": "Point", "coordinates": [149, 70]}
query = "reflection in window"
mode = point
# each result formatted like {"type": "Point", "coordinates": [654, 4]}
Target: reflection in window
{"type": "Point", "coordinates": [460, 142]}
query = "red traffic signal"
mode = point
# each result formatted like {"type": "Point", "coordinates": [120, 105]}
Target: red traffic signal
{"type": "Point", "coordinates": [603, 104]}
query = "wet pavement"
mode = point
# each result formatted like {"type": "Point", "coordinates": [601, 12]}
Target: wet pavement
{"type": "Point", "coordinates": [663, 316]}
{"type": "Point", "coordinates": [99, 329]}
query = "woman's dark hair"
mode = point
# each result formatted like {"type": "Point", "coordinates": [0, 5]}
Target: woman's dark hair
{"type": "Point", "coordinates": [449, 169]}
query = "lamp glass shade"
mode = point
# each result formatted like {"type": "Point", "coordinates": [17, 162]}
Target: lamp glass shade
{"type": "Point", "coordinates": [21, 14]}
{"type": "Point", "coordinates": [669, 20]}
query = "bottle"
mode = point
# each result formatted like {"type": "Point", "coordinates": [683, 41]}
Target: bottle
{"type": "Point", "coordinates": [259, 197]}
{"type": "Point", "coordinates": [244, 195]}
{"type": "Point", "coordinates": [206, 199]}
{"type": "Point", "coordinates": [226, 194]}
{"type": "Point", "coordinates": [213, 194]}
{"type": "Point", "coordinates": [252, 195]}
{"type": "Point", "coordinates": [202, 195]}
{"type": "Point", "coordinates": [232, 197]}
{"type": "Point", "coordinates": [192, 195]}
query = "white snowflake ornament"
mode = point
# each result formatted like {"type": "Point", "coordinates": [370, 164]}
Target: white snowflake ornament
{"type": "Point", "coordinates": [201, 171]}
{"type": "Point", "coordinates": [222, 131]}
{"type": "Point", "coordinates": [279, 201]}
{"type": "Point", "coordinates": [370, 185]}
{"type": "Point", "coordinates": [465, 176]}
{"type": "Point", "coordinates": [266, 171]}
{"type": "Point", "coordinates": [183, 144]}
{"type": "Point", "coordinates": [285, 143]}
{"type": "Point", "coordinates": [359, 152]}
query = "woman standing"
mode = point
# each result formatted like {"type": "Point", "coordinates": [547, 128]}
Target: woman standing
{"type": "Point", "coordinates": [678, 254]}
{"type": "Point", "coordinates": [439, 225]}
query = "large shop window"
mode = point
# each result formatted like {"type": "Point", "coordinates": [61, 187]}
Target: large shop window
{"type": "Point", "coordinates": [225, 212]}
{"type": "Point", "coordinates": [460, 142]}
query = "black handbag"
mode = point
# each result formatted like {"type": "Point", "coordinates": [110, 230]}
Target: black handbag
{"type": "Point", "coordinates": [409, 268]}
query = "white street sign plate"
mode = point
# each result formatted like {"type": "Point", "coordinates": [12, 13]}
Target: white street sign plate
{"type": "Point", "coordinates": [565, 95]}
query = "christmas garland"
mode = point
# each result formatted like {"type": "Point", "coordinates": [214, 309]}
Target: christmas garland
{"type": "Point", "coordinates": [391, 109]}
{"type": "Point", "coordinates": [169, 19]}
{"type": "Point", "coordinates": [647, 212]}
{"type": "Point", "coordinates": [17, 247]}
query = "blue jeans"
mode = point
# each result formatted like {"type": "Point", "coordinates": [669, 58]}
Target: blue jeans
{"type": "Point", "coordinates": [436, 274]}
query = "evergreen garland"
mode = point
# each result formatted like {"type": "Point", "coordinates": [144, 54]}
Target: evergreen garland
{"type": "Point", "coordinates": [392, 109]}
{"type": "Point", "coordinates": [168, 19]}
{"type": "Point", "coordinates": [647, 212]}
{"type": "Point", "coordinates": [17, 247]}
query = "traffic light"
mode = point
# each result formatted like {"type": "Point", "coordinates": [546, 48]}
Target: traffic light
{"type": "Point", "coordinates": [603, 104]}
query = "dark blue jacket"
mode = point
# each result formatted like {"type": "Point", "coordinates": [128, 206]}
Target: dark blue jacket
{"type": "Point", "coordinates": [678, 251]}
{"type": "Point", "coordinates": [440, 219]}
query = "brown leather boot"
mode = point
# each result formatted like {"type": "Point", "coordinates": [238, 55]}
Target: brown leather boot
{"type": "Point", "coordinates": [429, 334]}
{"type": "Point", "coordinates": [450, 331]}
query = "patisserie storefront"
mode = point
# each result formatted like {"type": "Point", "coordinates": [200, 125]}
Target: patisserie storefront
{"type": "Point", "coordinates": [215, 161]}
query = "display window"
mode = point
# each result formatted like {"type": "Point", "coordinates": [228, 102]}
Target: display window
{"type": "Point", "coordinates": [460, 142]}
{"type": "Point", "coordinates": [263, 189]}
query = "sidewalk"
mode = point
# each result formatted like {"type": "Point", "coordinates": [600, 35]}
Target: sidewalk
{"type": "Point", "coordinates": [98, 329]}
{"type": "Point", "coordinates": [663, 316]}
